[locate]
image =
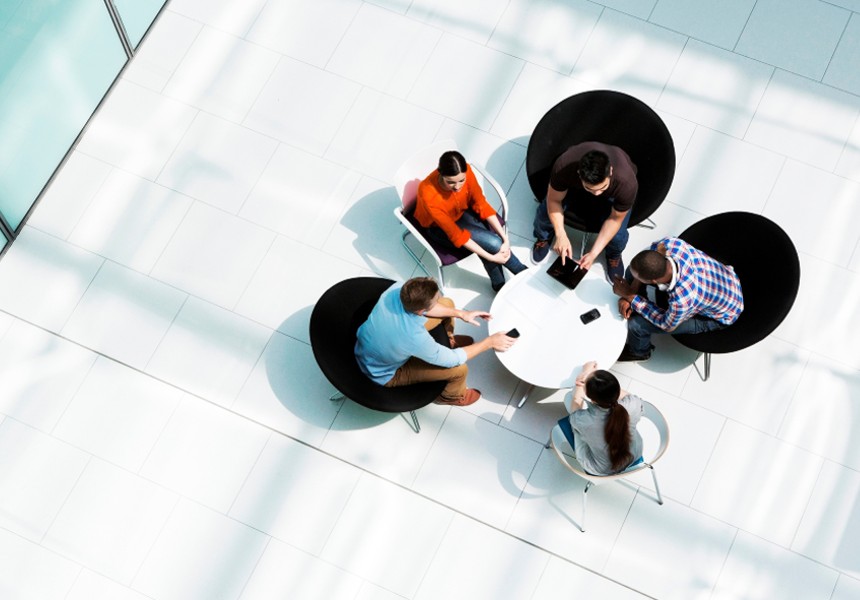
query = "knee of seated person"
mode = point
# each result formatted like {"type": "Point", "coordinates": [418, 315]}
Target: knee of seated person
{"type": "Point", "coordinates": [445, 301]}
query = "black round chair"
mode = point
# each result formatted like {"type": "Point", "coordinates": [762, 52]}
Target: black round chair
{"type": "Point", "coordinates": [336, 317]}
{"type": "Point", "coordinates": [612, 118]}
{"type": "Point", "coordinates": [768, 267]}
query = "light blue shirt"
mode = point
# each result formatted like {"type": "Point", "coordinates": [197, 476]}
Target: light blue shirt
{"type": "Point", "coordinates": [392, 335]}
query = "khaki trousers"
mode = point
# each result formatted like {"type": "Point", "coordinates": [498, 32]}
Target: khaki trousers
{"type": "Point", "coordinates": [416, 370]}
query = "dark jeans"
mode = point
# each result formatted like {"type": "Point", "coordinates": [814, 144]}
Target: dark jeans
{"type": "Point", "coordinates": [640, 330]}
{"type": "Point", "coordinates": [487, 239]}
{"type": "Point", "coordinates": [543, 228]}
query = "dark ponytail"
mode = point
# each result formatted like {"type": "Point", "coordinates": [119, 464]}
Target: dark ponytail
{"type": "Point", "coordinates": [603, 389]}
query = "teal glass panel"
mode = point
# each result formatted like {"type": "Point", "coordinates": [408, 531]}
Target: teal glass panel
{"type": "Point", "coordinates": [57, 60]}
{"type": "Point", "coordinates": [137, 15]}
{"type": "Point", "coordinates": [3, 241]}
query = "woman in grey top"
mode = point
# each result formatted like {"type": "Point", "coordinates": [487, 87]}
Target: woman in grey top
{"type": "Point", "coordinates": [604, 420]}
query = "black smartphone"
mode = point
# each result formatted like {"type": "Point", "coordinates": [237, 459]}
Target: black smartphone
{"type": "Point", "coordinates": [513, 333]}
{"type": "Point", "coordinates": [589, 316]}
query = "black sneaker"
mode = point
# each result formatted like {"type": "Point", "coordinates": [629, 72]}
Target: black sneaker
{"type": "Point", "coordinates": [539, 251]}
{"type": "Point", "coordinates": [628, 356]}
{"type": "Point", "coordinates": [614, 268]}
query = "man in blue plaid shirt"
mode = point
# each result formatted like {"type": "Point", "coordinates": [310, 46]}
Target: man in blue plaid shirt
{"type": "Point", "coordinates": [703, 295]}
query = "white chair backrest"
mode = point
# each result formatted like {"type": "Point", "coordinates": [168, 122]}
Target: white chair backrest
{"type": "Point", "coordinates": [414, 170]}
{"type": "Point", "coordinates": [565, 453]}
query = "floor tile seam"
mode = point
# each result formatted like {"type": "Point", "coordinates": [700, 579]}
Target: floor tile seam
{"type": "Point", "coordinates": [53, 429]}
{"type": "Point", "coordinates": [592, 29]}
{"type": "Point", "coordinates": [155, 24]}
{"type": "Point", "coordinates": [614, 543]}
{"type": "Point", "coordinates": [422, 579]}
{"type": "Point", "coordinates": [794, 395]}
{"type": "Point", "coordinates": [758, 104]}
{"type": "Point", "coordinates": [250, 280]}
{"type": "Point", "coordinates": [429, 449]}
{"type": "Point", "coordinates": [346, 30]}
{"type": "Point", "coordinates": [87, 462]}
{"type": "Point", "coordinates": [253, 570]}
{"type": "Point", "coordinates": [53, 179]}
{"type": "Point", "coordinates": [502, 104]}
{"type": "Point", "coordinates": [86, 289]}
{"type": "Point", "coordinates": [37, 545]}
{"type": "Point", "coordinates": [725, 561]}
{"type": "Point", "coordinates": [240, 487]}
{"type": "Point", "coordinates": [744, 28]}
{"type": "Point", "coordinates": [807, 504]}
{"type": "Point", "coordinates": [666, 85]}
{"type": "Point", "coordinates": [158, 344]}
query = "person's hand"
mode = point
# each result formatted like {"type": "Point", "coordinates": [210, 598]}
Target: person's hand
{"type": "Point", "coordinates": [472, 316]}
{"type": "Point", "coordinates": [586, 260]}
{"type": "Point", "coordinates": [501, 341]}
{"type": "Point", "coordinates": [624, 308]}
{"type": "Point", "coordinates": [506, 245]}
{"type": "Point", "coordinates": [562, 247]}
{"type": "Point", "coordinates": [502, 256]}
{"type": "Point", "coordinates": [587, 369]}
{"type": "Point", "coordinates": [625, 289]}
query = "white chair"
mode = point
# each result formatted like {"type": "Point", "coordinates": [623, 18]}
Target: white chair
{"type": "Point", "coordinates": [566, 455]}
{"type": "Point", "coordinates": [406, 181]}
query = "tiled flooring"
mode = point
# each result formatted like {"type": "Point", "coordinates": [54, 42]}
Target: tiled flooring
{"type": "Point", "coordinates": [165, 432]}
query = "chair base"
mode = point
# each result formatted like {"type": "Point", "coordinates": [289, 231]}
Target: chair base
{"type": "Point", "coordinates": [707, 367]}
{"type": "Point", "coordinates": [416, 426]}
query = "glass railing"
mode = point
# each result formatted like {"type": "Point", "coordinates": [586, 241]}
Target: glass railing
{"type": "Point", "coordinates": [58, 58]}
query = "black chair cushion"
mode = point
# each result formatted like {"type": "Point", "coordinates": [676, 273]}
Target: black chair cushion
{"type": "Point", "coordinates": [333, 325]}
{"type": "Point", "coordinates": [767, 265]}
{"type": "Point", "coordinates": [612, 118]}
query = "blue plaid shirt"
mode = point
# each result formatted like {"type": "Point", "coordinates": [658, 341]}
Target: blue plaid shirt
{"type": "Point", "coordinates": [704, 287]}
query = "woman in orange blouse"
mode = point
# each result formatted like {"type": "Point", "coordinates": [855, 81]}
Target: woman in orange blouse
{"type": "Point", "coordinates": [452, 207]}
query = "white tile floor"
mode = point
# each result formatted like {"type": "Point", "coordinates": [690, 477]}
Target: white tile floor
{"type": "Point", "coordinates": [165, 432]}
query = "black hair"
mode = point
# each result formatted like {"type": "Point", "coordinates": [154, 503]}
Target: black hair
{"type": "Point", "coordinates": [649, 265]}
{"type": "Point", "coordinates": [603, 389]}
{"type": "Point", "coordinates": [451, 163]}
{"type": "Point", "coordinates": [593, 167]}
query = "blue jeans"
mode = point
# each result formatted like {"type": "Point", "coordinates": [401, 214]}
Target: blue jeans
{"type": "Point", "coordinates": [543, 228]}
{"type": "Point", "coordinates": [487, 239]}
{"type": "Point", "coordinates": [640, 329]}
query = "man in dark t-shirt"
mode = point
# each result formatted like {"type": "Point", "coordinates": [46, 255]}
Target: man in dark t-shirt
{"type": "Point", "coordinates": [598, 183]}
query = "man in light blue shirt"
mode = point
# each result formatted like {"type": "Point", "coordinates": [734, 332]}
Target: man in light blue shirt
{"type": "Point", "coordinates": [395, 347]}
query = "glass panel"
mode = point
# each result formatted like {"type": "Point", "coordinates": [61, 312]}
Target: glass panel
{"type": "Point", "coordinates": [57, 60]}
{"type": "Point", "coordinates": [136, 16]}
{"type": "Point", "coordinates": [3, 241]}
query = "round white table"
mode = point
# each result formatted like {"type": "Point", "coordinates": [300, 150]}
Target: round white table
{"type": "Point", "coordinates": [554, 343]}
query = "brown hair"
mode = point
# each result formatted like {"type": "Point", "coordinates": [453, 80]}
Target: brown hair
{"type": "Point", "coordinates": [418, 293]}
{"type": "Point", "coordinates": [603, 389]}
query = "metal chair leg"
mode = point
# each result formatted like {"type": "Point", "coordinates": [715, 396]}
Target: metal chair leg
{"type": "Point", "coordinates": [337, 396]}
{"type": "Point", "coordinates": [417, 425]}
{"type": "Point", "coordinates": [656, 485]}
{"type": "Point", "coordinates": [707, 367]}
{"type": "Point", "coordinates": [414, 256]}
{"type": "Point", "coordinates": [584, 499]}
{"type": "Point", "coordinates": [650, 224]}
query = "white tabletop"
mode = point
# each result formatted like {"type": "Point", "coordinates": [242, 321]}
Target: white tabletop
{"type": "Point", "coordinates": [554, 343]}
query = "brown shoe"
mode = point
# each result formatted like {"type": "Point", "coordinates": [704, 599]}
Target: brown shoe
{"type": "Point", "coordinates": [470, 397]}
{"type": "Point", "coordinates": [462, 340]}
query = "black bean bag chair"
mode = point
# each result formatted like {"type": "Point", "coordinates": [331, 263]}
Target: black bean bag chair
{"type": "Point", "coordinates": [336, 317]}
{"type": "Point", "coordinates": [612, 118]}
{"type": "Point", "coordinates": [767, 264]}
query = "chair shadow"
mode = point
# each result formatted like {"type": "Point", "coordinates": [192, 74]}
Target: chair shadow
{"type": "Point", "coordinates": [378, 234]}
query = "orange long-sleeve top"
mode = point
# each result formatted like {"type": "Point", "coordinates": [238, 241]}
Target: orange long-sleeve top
{"type": "Point", "coordinates": [443, 208]}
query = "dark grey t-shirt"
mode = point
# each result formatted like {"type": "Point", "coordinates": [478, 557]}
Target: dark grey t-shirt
{"type": "Point", "coordinates": [623, 185]}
